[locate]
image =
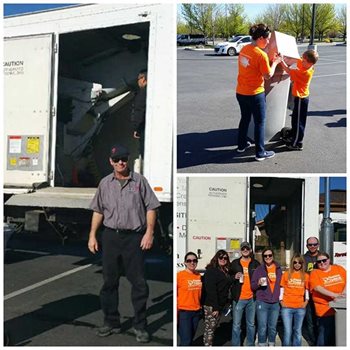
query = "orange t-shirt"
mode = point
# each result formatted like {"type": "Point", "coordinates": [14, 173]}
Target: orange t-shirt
{"type": "Point", "coordinates": [333, 280]}
{"type": "Point", "coordinates": [253, 64]}
{"type": "Point", "coordinates": [246, 291]}
{"type": "Point", "coordinates": [294, 289]}
{"type": "Point", "coordinates": [189, 289]}
{"type": "Point", "coordinates": [301, 78]}
{"type": "Point", "coordinates": [271, 274]}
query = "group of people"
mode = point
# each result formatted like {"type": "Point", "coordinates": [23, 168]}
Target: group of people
{"type": "Point", "coordinates": [253, 69]}
{"type": "Point", "coordinates": [300, 295]}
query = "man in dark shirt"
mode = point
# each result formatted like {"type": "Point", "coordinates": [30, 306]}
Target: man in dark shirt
{"type": "Point", "coordinates": [309, 324]}
{"type": "Point", "coordinates": [138, 114]}
{"type": "Point", "coordinates": [126, 205]}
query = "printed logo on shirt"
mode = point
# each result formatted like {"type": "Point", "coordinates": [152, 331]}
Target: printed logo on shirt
{"type": "Point", "coordinates": [134, 187]}
{"type": "Point", "coordinates": [272, 276]}
{"type": "Point", "coordinates": [332, 280]}
{"type": "Point", "coordinates": [245, 271]}
{"type": "Point", "coordinates": [194, 284]}
{"type": "Point", "coordinates": [244, 61]}
{"type": "Point", "coordinates": [295, 282]}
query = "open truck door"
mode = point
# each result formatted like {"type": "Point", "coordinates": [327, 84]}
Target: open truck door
{"type": "Point", "coordinates": [28, 99]}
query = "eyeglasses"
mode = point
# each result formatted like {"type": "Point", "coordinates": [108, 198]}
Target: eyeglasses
{"type": "Point", "coordinates": [118, 159]}
{"type": "Point", "coordinates": [297, 262]}
{"type": "Point", "coordinates": [321, 261]}
{"type": "Point", "coordinates": [267, 256]}
{"type": "Point", "coordinates": [223, 258]}
{"type": "Point", "coordinates": [245, 248]}
{"type": "Point", "coordinates": [195, 261]}
{"type": "Point", "coordinates": [312, 244]}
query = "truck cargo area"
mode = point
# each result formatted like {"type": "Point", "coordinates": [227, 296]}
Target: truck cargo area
{"type": "Point", "coordinates": [97, 80]}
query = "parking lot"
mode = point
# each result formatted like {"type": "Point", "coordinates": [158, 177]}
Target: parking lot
{"type": "Point", "coordinates": [208, 115]}
{"type": "Point", "coordinates": [52, 295]}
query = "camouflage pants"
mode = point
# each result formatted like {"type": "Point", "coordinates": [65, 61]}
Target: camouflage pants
{"type": "Point", "coordinates": [210, 324]}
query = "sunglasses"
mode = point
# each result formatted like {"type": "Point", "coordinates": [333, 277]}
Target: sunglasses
{"type": "Point", "coordinates": [297, 262]}
{"type": "Point", "coordinates": [245, 248]}
{"type": "Point", "coordinates": [118, 159]}
{"type": "Point", "coordinates": [321, 261]}
{"type": "Point", "coordinates": [312, 244]}
{"type": "Point", "coordinates": [192, 261]}
{"type": "Point", "coordinates": [223, 258]}
{"type": "Point", "coordinates": [267, 256]}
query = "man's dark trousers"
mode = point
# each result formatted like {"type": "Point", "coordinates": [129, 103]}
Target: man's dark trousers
{"type": "Point", "coordinates": [125, 245]}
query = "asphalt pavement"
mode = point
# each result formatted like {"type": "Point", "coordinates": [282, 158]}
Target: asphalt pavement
{"type": "Point", "coordinates": [52, 295]}
{"type": "Point", "coordinates": [208, 115]}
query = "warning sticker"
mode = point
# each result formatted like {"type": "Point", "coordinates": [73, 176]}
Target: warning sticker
{"type": "Point", "coordinates": [234, 244]}
{"type": "Point", "coordinates": [33, 144]}
{"type": "Point", "coordinates": [24, 161]}
{"type": "Point", "coordinates": [13, 161]}
{"type": "Point", "coordinates": [15, 144]}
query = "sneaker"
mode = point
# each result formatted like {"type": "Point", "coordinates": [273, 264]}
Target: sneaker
{"type": "Point", "coordinates": [142, 335]}
{"type": "Point", "coordinates": [243, 150]}
{"type": "Point", "coordinates": [297, 147]}
{"type": "Point", "coordinates": [107, 330]}
{"type": "Point", "coordinates": [265, 155]}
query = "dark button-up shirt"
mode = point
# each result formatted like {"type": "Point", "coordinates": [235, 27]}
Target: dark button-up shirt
{"type": "Point", "coordinates": [124, 207]}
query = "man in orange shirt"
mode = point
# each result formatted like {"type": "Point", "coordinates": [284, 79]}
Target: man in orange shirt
{"type": "Point", "coordinates": [301, 77]}
{"type": "Point", "coordinates": [242, 295]}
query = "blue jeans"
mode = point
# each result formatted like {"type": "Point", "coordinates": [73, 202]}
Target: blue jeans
{"type": "Point", "coordinates": [292, 322]}
{"type": "Point", "coordinates": [252, 105]}
{"type": "Point", "coordinates": [187, 326]}
{"type": "Point", "coordinates": [267, 316]}
{"type": "Point", "coordinates": [299, 119]}
{"type": "Point", "coordinates": [326, 331]}
{"type": "Point", "coordinates": [237, 311]}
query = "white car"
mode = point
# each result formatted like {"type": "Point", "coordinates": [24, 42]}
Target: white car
{"type": "Point", "coordinates": [233, 46]}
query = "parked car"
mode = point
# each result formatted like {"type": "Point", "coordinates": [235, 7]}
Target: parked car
{"type": "Point", "coordinates": [191, 39]}
{"type": "Point", "coordinates": [233, 46]}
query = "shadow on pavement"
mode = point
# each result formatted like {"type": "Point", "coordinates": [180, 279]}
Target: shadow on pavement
{"type": "Point", "coordinates": [195, 148]}
{"type": "Point", "coordinates": [51, 315]}
{"type": "Point", "coordinates": [330, 113]}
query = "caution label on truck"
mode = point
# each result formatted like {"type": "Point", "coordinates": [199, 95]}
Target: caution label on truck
{"type": "Point", "coordinates": [25, 152]}
{"type": "Point", "coordinates": [33, 144]}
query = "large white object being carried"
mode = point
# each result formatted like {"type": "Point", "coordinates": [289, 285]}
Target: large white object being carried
{"type": "Point", "coordinates": [277, 88]}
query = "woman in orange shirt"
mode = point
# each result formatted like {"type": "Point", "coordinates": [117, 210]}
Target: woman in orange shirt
{"type": "Point", "coordinates": [253, 69]}
{"type": "Point", "coordinates": [189, 289]}
{"type": "Point", "coordinates": [327, 283]}
{"type": "Point", "coordinates": [294, 297]}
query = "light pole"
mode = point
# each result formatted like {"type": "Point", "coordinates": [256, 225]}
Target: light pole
{"type": "Point", "coordinates": [311, 45]}
{"type": "Point", "coordinates": [327, 228]}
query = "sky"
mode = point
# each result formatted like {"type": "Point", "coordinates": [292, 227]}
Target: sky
{"type": "Point", "coordinates": [336, 183]}
{"type": "Point", "coordinates": [251, 10]}
{"type": "Point", "coordinates": [12, 9]}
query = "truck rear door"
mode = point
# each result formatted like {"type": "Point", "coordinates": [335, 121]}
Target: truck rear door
{"type": "Point", "coordinates": [28, 103]}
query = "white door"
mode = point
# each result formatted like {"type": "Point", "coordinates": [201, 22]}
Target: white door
{"type": "Point", "coordinates": [28, 77]}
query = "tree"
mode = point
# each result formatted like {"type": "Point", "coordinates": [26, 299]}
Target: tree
{"type": "Point", "coordinates": [294, 19]}
{"type": "Point", "coordinates": [341, 18]}
{"type": "Point", "coordinates": [273, 16]}
{"type": "Point", "coordinates": [200, 17]}
{"type": "Point", "coordinates": [231, 20]}
{"type": "Point", "coordinates": [325, 19]}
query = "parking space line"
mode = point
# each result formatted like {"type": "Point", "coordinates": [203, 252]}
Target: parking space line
{"type": "Point", "coordinates": [49, 280]}
{"type": "Point", "coordinates": [327, 75]}
{"type": "Point", "coordinates": [28, 251]}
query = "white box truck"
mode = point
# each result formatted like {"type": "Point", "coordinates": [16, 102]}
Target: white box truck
{"type": "Point", "coordinates": [221, 212]}
{"type": "Point", "coordinates": [69, 81]}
